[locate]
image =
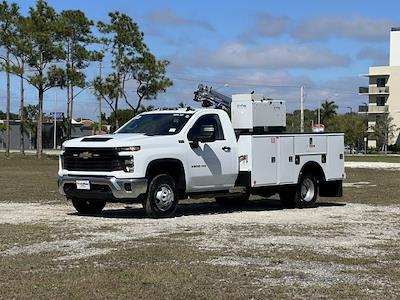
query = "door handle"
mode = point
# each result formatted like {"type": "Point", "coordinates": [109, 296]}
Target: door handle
{"type": "Point", "coordinates": [226, 148]}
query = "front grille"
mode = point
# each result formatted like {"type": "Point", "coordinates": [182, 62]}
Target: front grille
{"type": "Point", "coordinates": [92, 159]}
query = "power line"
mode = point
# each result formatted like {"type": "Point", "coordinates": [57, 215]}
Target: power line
{"type": "Point", "coordinates": [260, 84]}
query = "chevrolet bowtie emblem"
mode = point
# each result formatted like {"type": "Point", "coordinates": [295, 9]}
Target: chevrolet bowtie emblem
{"type": "Point", "coordinates": [85, 155]}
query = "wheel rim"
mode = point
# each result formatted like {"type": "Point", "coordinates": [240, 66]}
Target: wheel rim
{"type": "Point", "coordinates": [164, 197]}
{"type": "Point", "coordinates": [307, 190]}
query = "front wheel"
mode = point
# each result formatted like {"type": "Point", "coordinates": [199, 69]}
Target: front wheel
{"type": "Point", "coordinates": [162, 197]}
{"type": "Point", "coordinates": [88, 207]}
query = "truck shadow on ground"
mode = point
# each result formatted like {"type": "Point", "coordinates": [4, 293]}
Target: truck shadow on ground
{"type": "Point", "coordinates": [204, 208]}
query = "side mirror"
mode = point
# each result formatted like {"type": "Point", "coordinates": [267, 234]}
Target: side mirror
{"type": "Point", "coordinates": [206, 135]}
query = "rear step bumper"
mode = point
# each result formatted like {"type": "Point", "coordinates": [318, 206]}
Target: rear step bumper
{"type": "Point", "coordinates": [103, 186]}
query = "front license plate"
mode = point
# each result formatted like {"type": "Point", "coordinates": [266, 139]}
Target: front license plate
{"type": "Point", "coordinates": [83, 184]}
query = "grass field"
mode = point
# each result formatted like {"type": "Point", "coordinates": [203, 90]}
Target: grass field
{"type": "Point", "coordinates": [374, 158]}
{"type": "Point", "coordinates": [345, 248]}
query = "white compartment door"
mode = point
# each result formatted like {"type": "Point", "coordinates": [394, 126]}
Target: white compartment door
{"type": "Point", "coordinates": [287, 169]}
{"type": "Point", "coordinates": [265, 160]}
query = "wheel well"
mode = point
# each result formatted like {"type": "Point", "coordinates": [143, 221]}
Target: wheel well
{"type": "Point", "coordinates": [171, 167]}
{"type": "Point", "coordinates": [313, 168]}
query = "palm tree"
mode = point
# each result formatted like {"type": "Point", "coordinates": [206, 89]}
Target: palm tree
{"type": "Point", "coordinates": [384, 131]}
{"type": "Point", "coordinates": [328, 110]}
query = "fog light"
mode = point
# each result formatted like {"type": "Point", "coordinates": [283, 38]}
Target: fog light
{"type": "Point", "coordinates": [128, 187]}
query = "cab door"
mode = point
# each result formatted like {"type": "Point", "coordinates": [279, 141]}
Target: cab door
{"type": "Point", "coordinates": [211, 163]}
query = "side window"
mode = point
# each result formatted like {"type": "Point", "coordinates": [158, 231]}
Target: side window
{"type": "Point", "coordinates": [207, 120]}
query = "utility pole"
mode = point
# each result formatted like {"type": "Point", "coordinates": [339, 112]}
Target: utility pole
{"type": "Point", "coordinates": [68, 92]}
{"type": "Point", "coordinates": [99, 98]}
{"type": "Point", "coordinates": [55, 123]}
{"type": "Point", "coordinates": [302, 109]}
{"type": "Point", "coordinates": [319, 112]}
{"type": "Point", "coordinates": [8, 129]}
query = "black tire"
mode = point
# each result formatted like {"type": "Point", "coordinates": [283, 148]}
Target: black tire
{"type": "Point", "coordinates": [88, 207]}
{"type": "Point", "coordinates": [162, 197]}
{"type": "Point", "coordinates": [239, 201]}
{"type": "Point", "coordinates": [304, 195]}
{"type": "Point", "coordinates": [307, 191]}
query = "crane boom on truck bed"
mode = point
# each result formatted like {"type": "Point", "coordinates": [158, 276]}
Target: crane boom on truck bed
{"type": "Point", "coordinates": [209, 97]}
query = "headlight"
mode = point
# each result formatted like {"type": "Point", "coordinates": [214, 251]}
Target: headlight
{"type": "Point", "coordinates": [129, 149]}
{"type": "Point", "coordinates": [129, 164]}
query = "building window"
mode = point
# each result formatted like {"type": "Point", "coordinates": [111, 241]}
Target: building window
{"type": "Point", "coordinates": [380, 101]}
{"type": "Point", "coordinates": [381, 82]}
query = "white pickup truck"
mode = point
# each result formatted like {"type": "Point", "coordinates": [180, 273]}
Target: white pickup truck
{"type": "Point", "coordinates": [160, 157]}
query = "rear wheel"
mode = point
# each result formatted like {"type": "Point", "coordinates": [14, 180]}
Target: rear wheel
{"type": "Point", "coordinates": [162, 197]}
{"type": "Point", "coordinates": [307, 191]}
{"type": "Point", "coordinates": [303, 195]}
{"type": "Point", "coordinates": [88, 207]}
{"type": "Point", "coordinates": [238, 201]}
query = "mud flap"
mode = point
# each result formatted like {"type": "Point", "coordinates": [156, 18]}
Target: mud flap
{"type": "Point", "coordinates": [331, 188]}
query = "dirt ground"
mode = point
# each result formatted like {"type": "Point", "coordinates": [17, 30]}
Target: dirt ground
{"type": "Point", "coordinates": [343, 248]}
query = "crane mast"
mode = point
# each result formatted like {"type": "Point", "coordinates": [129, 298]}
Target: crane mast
{"type": "Point", "coordinates": [209, 97]}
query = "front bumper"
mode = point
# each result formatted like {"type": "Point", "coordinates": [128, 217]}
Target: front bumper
{"type": "Point", "coordinates": [103, 188]}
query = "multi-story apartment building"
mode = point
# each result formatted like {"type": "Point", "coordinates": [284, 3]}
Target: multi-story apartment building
{"type": "Point", "coordinates": [383, 91]}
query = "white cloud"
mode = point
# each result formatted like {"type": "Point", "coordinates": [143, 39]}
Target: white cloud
{"type": "Point", "coordinates": [320, 28]}
{"type": "Point", "coordinates": [168, 17]}
{"type": "Point", "coordinates": [269, 25]}
{"type": "Point", "coordinates": [378, 56]}
{"type": "Point", "coordinates": [356, 27]}
{"type": "Point", "coordinates": [236, 55]}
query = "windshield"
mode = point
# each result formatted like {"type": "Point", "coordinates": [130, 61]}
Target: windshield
{"type": "Point", "coordinates": [156, 124]}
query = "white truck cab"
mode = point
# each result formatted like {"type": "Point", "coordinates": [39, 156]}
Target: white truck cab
{"type": "Point", "coordinates": [160, 157]}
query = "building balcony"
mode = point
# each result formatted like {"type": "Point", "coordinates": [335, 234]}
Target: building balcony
{"type": "Point", "coordinates": [373, 109]}
{"type": "Point", "coordinates": [363, 108]}
{"type": "Point", "coordinates": [373, 90]}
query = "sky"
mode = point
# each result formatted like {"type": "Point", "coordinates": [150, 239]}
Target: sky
{"type": "Point", "coordinates": [270, 47]}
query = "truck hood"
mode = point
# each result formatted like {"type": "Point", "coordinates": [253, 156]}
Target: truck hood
{"type": "Point", "coordinates": [111, 140]}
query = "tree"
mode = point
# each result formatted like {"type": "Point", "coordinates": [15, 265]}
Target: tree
{"type": "Point", "coordinates": [12, 116]}
{"type": "Point", "coordinates": [384, 131]}
{"type": "Point", "coordinates": [293, 120]}
{"type": "Point", "coordinates": [20, 52]}
{"type": "Point", "coordinates": [124, 115]}
{"type": "Point", "coordinates": [328, 111]}
{"type": "Point", "coordinates": [131, 59]}
{"type": "Point", "coordinates": [353, 127]}
{"type": "Point", "coordinates": [8, 16]}
{"type": "Point", "coordinates": [30, 116]}
{"type": "Point", "coordinates": [149, 74]}
{"type": "Point", "coordinates": [125, 42]}
{"type": "Point", "coordinates": [76, 37]}
{"type": "Point", "coordinates": [45, 48]}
